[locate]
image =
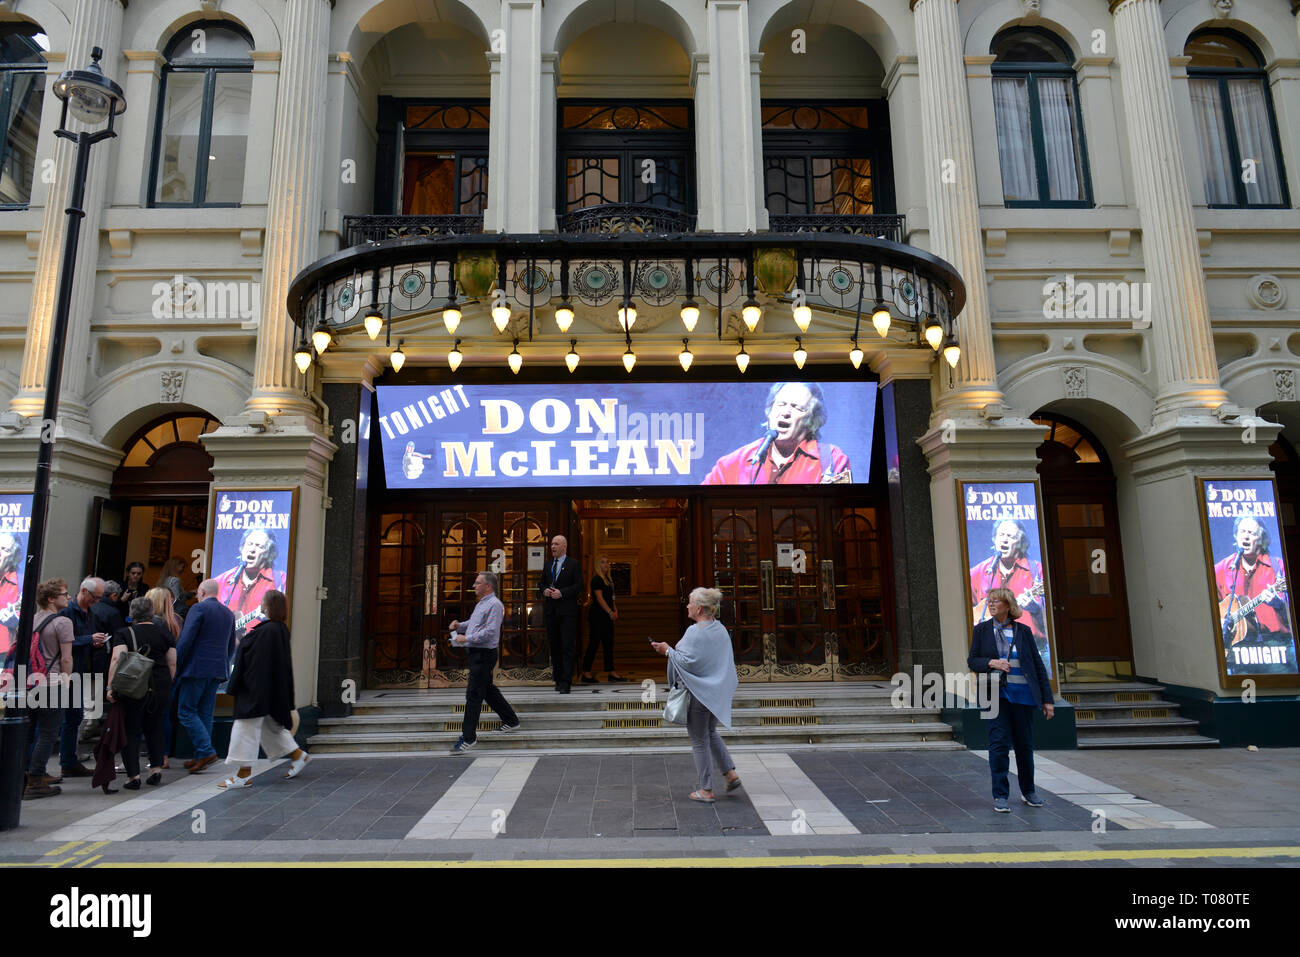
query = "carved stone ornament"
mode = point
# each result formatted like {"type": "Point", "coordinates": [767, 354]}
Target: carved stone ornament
{"type": "Point", "coordinates": [1284, 384]}
{"type": "Point", "coordinates": [1222, 8]}
{"type": "Point", "coordinates": [1033, 9]}
{"type": "Point", "coordinates": [1076, 382]}
{"type": "Point", "coordinates": [173, 385]}
{"type": "Point", "coordinates": [1265, 292]}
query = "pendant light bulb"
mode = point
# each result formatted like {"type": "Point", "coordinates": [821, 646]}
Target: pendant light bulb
{"type": "Point", "coordinates": [751, 313]}
{"type": "Point", "coordinates": [302, 358]}
{"type": "Point", "coordinates": [398, 358]}
{"type": "Point", "coordinates": [952, 351]}
{"type": "Point", "coordinates": [321, 338]}
{"type": "Point", "coordinates": [803, 317]}
{"type": "Point", "coordinates": [501, 317]}
{"type": "Point", "coordinates": [572, 359]}
{"type": "Point", "coordinates": [629, 359]}
{"type": "Point", "coordinates": [686, 358]}
{"type": "Point", "coordinates": [451, 316]}
{"type": "Point", "coordinates": [374, 322]}
{"type": "Point", "coordinates": [690, 314]}
{"type": "Point", "coordinates": [933, 333]}
{"type": "Point", "coordinates": [855, 355]}
{"type": "Point", "coordinates": [455, 356]}
{"type": "Point", "coordinates": [880, 319]}
{"type": "Point", "coordinates": [564, 316]}
{"type": "Point", "coordinates": [515, 359]}
{"type": "Point", "coordinates": [742, 357]}
{"type": "Point", "coordinates": [800, 353]}
{"type": "Point", "coordinates": [627, 315]}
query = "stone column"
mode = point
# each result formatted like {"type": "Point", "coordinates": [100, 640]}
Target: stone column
{"type": "Point", "coordinates": [725, 106]}
{"type": "Point", "coordinates": [1185, 363]}
{"type": "Point", "coordinates": [95, 23]}
{"type": "Point", "coordinates": [949, 161]}
{"type": "Point", "coordinates": [293, 216]}
{"type": "Point", "coordinates": [520, 199]}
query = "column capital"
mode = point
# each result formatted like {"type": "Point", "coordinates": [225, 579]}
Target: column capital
{"type": "Point", "coordinates": [911, 4]}
{"type": "Point", "coordinates": [1113, 5]}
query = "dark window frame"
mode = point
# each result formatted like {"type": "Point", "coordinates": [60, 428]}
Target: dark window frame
{"type": "Point", "coordinates": [210, 67]}
{"type": "Point", "coordinates": [873, 143]}
{"type": "Point", "coordinates": [651, 144]}
{"type": "Point", "coordinates": [1223, 75]}
{"type": "Point", "coordinates": [1031, 72]}
{"type": "Point", "coordinates": [389, 152]}
{"type": "Point", "coordinates": [8, 70]}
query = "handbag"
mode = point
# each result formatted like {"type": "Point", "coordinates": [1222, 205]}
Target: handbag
{"type": "Point", "coordinates": [133, 674]}
{"type": "Point", "coordinates": [678, 702]}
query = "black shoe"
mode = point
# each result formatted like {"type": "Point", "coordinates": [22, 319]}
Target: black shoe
{"type": "Point", "coordinates": [80, 771]}
{"type": "Point", "coordinates": [564, 689]}
{"type": "Point", "coordinates": [589, 680]}
{"type": "Point", "coordinates": [154, 779]}
{"type": "Point", "coordinates": [132, 785]}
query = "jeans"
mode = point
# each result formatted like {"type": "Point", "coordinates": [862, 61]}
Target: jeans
{"type": "Point", "coordinates": [706, 743]}
{"type": "Point", "coordinates": [196, 699]}
{"type": "Point", "coordinates": [481, 688]}
{"type": "Point", "coordinates": [1013, 727]}
{"type": "Point", "coordinates": [68, 738]}
{"type": "Point", "coordinates": [45, 731]}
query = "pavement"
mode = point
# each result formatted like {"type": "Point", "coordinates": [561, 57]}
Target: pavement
{"type": "Point", "coordinates": [1144, 808]}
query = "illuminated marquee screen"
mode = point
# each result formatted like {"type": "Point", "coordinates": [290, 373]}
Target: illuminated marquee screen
{"type": "Point", "coordinates": [601, 434]}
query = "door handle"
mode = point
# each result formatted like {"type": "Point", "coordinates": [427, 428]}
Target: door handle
{"type": "Point", "coordinates": [681, 590]}
{"type": "Point", "coordinates": [828, 585]}
{"type": "Point", "coordinates": [430, 589]}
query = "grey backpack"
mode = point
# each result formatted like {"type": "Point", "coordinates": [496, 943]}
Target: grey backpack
{"type": "Point", "coordinates": [133, 673]}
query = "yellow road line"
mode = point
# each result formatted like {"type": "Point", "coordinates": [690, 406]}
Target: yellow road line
{"type": "Point", "coordinates": [60, 850]}
{"type": "Point", "coordinates": [90, 848]}
{"type": "Point", "coordinates": [840, 860]}
{"type": "Point", "coordinates": [88, 860]}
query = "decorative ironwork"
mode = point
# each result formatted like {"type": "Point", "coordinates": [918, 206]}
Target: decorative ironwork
{"type": "Point", "coordinates": [362, 229]}
{"type": "Point", "coordinates": [808, 116]}
{"type": "Point", "coordinates": [625, 117]}
{"type": "Point", "coordinates": [614, 218]}
{"type": "Point", "coordinates": [879, 225]}
{"type": "Point", "coordinates": [454, 116]}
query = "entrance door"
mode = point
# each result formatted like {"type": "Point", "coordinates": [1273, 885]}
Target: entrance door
{"type": "Point", "coordinates": [1090, 606]}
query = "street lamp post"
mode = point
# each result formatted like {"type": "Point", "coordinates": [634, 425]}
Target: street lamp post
{"type": "Point", "coordinates": [91, 98]}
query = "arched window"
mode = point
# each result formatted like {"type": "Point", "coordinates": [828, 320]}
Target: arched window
{"type": "Point", "coordinates": [1234, 121]}
{"type": "Point", "coordinates": [1039, 125]}
{"type": "Point", "coordinates": [22, 92]}
{"type": "Point", "coordinates": [202, 128]}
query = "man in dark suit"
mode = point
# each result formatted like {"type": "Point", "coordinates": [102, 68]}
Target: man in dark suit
{"type": "Point", "coordinates": [1003, 645]}
{"type": "Point", "coordinates": [561, 583]}
{"type": "Point", "coordinates": [203, 651]}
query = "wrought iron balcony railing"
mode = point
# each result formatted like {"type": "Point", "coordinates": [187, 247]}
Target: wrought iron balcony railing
{"type": "Point", "coordinates": [613, 218]}
{"type": "Point", "coordinates": [360, 229]}
{"type": "Point", "coordinates": [879, 226]}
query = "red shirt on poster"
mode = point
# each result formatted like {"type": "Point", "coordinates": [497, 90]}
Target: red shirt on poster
{"type": "Point", "coordinates": [10, 594]}
{"type": "Point", "coordinates": [811, 464]}
{"type": "Point", "coordinates": [1247, 583]}
{"type": "Point", "coordinates": [987, 576]}
{"type": "Point", "coordinates": [243, 601]}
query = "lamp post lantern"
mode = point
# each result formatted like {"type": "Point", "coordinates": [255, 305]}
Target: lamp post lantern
{"type": "Point", "coordinates": [91, 98]}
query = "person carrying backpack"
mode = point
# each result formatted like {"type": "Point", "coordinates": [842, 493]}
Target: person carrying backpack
{"type": "Point", "coordinates": [55, 648]}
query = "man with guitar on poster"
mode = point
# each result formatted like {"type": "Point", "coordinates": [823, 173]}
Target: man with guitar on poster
{"type": "Point", "coordinates": [11, 589]}
{"type": "Point", "coordinates": [1009, 567]}
{"type": "Point", "coordinates": [243, 586]}
{"type": "Point", "coordinates": [1251, 583]}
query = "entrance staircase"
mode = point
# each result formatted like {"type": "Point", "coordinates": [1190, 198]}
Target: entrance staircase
{"type": "Point", "coordinates": [1130, 714]}
{"type": "Point", "coordinates": [612, 718]}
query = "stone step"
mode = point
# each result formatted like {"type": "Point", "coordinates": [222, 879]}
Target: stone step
{"type": "Point", "coordinates": [1152, 741]}
{"type": "Point", "coordinates": [1108, 711]}
{"type": "Point", "coordinates": [903, 735]}
{"type": "Point", "coordinates": [1156, 727]}
{"type": "Point", "coordinates": [450, 719]}
{"type": "Point", "coordinates": [1117, 692]}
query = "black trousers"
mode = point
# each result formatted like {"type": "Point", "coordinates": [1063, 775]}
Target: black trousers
{"type": "Point", "coordinates": [600, 632]}
{"type": "Point", "coordinates": [562, 634]}
{"type": "Point", "coordinates": [480, 689]}
{"type": "Point", "coordinates": [145, 718]}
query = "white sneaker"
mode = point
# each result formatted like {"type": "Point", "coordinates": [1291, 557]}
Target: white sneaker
{"type": "Point", "coordinates": [507, 728]}
{"type": "Point", "coordinates": [295, 767]}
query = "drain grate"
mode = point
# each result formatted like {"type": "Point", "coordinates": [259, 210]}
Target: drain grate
{"type": "Point", "coordinates": [788, 720]}
{"type": "Point", "coordinates": [1150, 712]}
{"type": "Point", "coordinates": [634, 705]}
{"type": "Point", "coordinates": [784, 703]}
{"type": "Point", "coordinates": [482, 725]}
{"type": "Point", "coordinates": [632, 723]}
{"type": "Point", "coordinates": [1134, 696]}
{"type": "Point", "coordinates": [1085, 716]}
{"type": "Point", "coordinates": [1073, 698]}
{"type": "Point", "coordinates": [460, 708]}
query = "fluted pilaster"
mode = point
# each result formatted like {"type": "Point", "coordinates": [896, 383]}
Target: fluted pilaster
{"type": "Point", "coordinates": [95, 23]}
{"type": "Point", "coordinates": [950, 190]}
{"type": "Point", "coordinates": [293, 217]}
{"type": "Point", "coordinates": [1184, 348]}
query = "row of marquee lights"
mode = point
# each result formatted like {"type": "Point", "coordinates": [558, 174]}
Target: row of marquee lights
{"type": "Point", "coordinates": [932, 332]}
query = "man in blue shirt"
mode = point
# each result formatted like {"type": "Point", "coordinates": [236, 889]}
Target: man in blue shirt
{"type": "Point", "coordinates": [482, 635]}
{"type": "Point", "coordinates": [203, 652]}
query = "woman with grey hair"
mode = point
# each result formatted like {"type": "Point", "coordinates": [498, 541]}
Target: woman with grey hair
{"type": "Point", "coordinates": [703, 661]}
{"type": "Point", "coordinates": [145, 717]}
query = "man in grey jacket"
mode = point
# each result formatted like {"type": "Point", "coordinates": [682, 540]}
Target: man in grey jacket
{"type": "Point", "coordinates": [482, 635]}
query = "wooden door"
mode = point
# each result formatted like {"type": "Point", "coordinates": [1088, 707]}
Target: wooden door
{"type": "Point", "coordinates": [1087, 572]}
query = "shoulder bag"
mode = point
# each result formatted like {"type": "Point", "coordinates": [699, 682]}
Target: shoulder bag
{"type": "Point", "coordinates": [134, 671]}
{"type": "Point", "coordinates": [679, 699]}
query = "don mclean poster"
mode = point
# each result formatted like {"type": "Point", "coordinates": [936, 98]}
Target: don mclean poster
{"type": "Point", "coordinates": [15, 527]}
{"type": "Point", "coordinates": [1253, 618]}
{"type": "Point", "coordinates": [1004, 549]}
{"type": "Point", "coordinates": [250, 547]}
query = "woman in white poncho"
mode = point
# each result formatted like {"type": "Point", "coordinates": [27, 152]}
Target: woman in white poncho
{"type": "Point", "coordinates": [703, 661]}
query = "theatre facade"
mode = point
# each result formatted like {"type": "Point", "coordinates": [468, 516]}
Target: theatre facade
{"type": "Point", "coordinates": [456, 278]}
